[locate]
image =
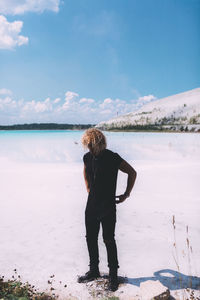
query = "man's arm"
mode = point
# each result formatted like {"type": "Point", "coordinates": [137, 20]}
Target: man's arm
{"type": "Point", "coordinates": [86, 179]}
{"type": "Point", "coordinates": [126, 168]}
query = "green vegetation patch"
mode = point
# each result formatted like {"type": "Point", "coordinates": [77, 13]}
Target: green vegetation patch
{"type": "Point", "coordinates": [16, 290]}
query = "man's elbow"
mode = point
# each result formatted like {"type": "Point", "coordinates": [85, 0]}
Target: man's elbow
{"type": "Point", "coordinates": [133, 173]}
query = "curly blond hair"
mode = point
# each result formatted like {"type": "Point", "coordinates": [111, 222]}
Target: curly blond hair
{"type": "Point", "coordinates": [94, 140]}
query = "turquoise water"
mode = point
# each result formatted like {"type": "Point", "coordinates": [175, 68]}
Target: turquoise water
{"type": "Point", "coordinates": [64, 146]}
{"type": "Point", "coordinates": [38, 133]}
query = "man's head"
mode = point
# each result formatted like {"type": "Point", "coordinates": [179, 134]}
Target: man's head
{"type": "Point", "coordinates": [94, 140]}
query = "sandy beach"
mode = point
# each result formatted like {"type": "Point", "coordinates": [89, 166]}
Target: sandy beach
{"type": "Point", "coordinates": [43, 198]}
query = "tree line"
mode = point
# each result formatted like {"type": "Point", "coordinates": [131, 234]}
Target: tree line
{"type": "Point", "coordinates": [45, 126]}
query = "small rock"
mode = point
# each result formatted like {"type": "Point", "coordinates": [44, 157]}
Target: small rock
{"type": "Point", "coordinates": [154, 290]}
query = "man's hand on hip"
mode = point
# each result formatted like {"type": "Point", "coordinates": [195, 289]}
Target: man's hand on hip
{"type": "Point", "coordinates": [121, 198]}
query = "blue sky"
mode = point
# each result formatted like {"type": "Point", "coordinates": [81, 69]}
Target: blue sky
{"type": "Point", "coordinates": [83, 61]}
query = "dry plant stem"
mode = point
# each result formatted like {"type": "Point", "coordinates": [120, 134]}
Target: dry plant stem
{"type": "Point", "coordinates": [189, 248]}
{"type": "Point", "coordinates": [193, 260]}
{"type": "Point", "coordinates": [175, 244]}
{"type": "Point", "coordinates": [189, 253]}
{"type": "Point", "coordinates": [176, 251]}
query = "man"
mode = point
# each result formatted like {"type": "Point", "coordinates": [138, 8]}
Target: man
{"type": "Point", "coordinates": [100, 173]}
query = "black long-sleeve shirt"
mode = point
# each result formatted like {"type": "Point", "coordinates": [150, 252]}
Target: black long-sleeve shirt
{"type": "Point", "coordinates": [102, 173]}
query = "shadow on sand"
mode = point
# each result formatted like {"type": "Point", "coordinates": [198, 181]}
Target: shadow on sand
{"type": "Point", "coordinates": [172, 279]}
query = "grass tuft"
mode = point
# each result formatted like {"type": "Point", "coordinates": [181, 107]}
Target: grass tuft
{"type": "Point", "coordinates": [16, 290]}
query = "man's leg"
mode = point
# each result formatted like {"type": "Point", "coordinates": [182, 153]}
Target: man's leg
{"type": "Point", "coordinates": [92, 225]}
{"type": "Point", "coordinates": [108, 225]}
{"type": "Point", "coordinates": [92, 230]}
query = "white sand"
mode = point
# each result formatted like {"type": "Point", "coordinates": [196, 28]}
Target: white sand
{"type": "Point", "coordinates": [42, 206]}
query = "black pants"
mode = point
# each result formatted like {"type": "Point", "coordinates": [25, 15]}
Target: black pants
{"type": "Point", "coordinates": [92, 224]}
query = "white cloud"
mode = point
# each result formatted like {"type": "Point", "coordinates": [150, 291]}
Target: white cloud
{"type": "Point", "coordinates": [70, 95]}
{"type": "Point", "coordinates": [106, 111]}
{"type": "Point", "coordinates": [5, 92]}
{"type": "Point", "coordinates": [47, 100]}
{"type": "Point", "coordinates": [7, 100]}
{"type": "Point", "coordinates": [37, 106]}
{"type": "Point", "coordinates": [10, 31]}
{"type": "Point", "coordinates": [16, 7]}
{"type": "Point", "coordinates": [106, 103]}
{"type": "Point", "coordinates": [10, 34]}
{"type": "Point", "coordinates": [6, 103]}
{"type": "Point", "coordinates": [86, 100]}
{"type": "Point", "coordinates": [69, 100]}
{"type": "Point", "coordinates": [108, 100]}
{"type": "Point", "coordinates": [147, 98]}
{"type": "Point", "coordinates": [56, 100]}
{"type": "Point", "coordinates": [69, 109]}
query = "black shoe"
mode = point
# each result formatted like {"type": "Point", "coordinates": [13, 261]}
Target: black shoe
{"type": "Point", "coordinates": [113, 283]}
{"type": "Point", "coordinates": [89, 276]}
